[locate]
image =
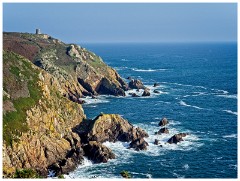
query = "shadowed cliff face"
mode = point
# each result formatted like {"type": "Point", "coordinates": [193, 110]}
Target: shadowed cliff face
{"type": "Point", "coordinates": [79, 71]}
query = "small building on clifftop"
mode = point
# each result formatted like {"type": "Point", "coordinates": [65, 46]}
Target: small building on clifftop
{"type": "Point", "coordinates": [38, 32]}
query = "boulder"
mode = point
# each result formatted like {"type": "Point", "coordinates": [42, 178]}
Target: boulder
{"type": "Point", "coordinates": [163, 122]}
{"type": "Point", "coordinates": [163, 130]}
{"type": "Point", "coordinates": [156, 84]}
{"type": "Point", "coordinates": [136, 84]}
{"type": "Point", "coordinates": [135, 95]}
{"type": "Point", "coordinates": [129, 78]}
{"type": "Point", "coordinates": [97, 152]}
{"type": "Point", "coordinates": [156, 142]}
{"type": "Point", "coordinates": [146, 93]}
{"type": "Point", "coordinates": [156, 91]}
{"type": "Point", "coordinates": [139, 144]}
{"type": "Point", "coordinates": [177, 138]}
{"type": "Point", "coordinates": [109, 127]}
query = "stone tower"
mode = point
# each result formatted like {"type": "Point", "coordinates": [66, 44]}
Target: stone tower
{"type": "Point", "coordinates": [38, 31]}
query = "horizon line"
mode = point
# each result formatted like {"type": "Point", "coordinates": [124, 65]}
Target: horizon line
{"type": "Point", "coordinates": [150, 42]}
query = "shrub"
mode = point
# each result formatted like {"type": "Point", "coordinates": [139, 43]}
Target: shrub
{"type": "Point", "coordinates": [125, 174]}
{"type": "Point", "coordinates": [26, 173]}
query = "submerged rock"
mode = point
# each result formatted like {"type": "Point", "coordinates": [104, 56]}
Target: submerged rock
{"type": "Point", "coordinates": [146, 93]}
{"type": "Point", "coordinates": [163, 122]}
{"type": "Point", "coordinates": [177, 138]}
{"type": "Point", "coordinates": [156, 142]}
{"type": "Point", "coordinates": [156, 91]}
{"type": "Point", "coordinates": [156, 84]}
{"type": "Point", "coordinates": [136, 84]}
{"type": "Point", "coordinates": [139, 144]}
{"type": "Point", "coordinates": [135, 95]}
{"type": "Point", "coordinates": [97, 152]}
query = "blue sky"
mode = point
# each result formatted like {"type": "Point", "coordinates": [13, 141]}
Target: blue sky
{"type": "Point", "coordinates": [106, 22]}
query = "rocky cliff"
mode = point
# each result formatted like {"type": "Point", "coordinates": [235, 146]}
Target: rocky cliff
{"type": "Point", "coordinates": [79, 71]}
{"type": "Point", "coordinates": [37, 120]}
{"type": "Point", "coordinates": [44, 126]}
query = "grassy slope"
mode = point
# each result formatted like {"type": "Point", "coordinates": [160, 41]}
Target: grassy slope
{"type": "Point", "coordinates": [18, 70]}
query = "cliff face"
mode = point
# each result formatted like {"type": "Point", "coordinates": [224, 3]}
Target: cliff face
{"type": "Point", "coordinates": [79, 71]}
{"type": "Point", "coordinates": [37, 120]}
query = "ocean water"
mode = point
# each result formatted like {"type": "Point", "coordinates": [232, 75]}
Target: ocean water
{"type": "Point", "coordinates": [198, 94]}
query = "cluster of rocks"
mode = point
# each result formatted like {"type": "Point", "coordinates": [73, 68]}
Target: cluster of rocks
{"type": "Point", "coordinates": [112, 128]}
{"type": "Point", "coordinates": [133, 84]}
{"type": "Point", "coordinates": [164, 130]}
{"type": "Point", "coordinates": [137, 84]}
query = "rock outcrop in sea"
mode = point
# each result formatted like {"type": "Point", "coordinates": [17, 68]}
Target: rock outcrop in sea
{"type": "Point", "coordinates": [136, 84]}
{"type": "Point", "coordinates": [177, 138]}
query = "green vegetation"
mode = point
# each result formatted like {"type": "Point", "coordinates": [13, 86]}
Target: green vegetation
{"type": "Point", "coordinates": [125, 174]}
{"type": "Point", "coordinates": [26, 173]}
{"type": "Point", "coordinates": [14, 122]}
{"type": "Point", "coordinates": [60, 176]}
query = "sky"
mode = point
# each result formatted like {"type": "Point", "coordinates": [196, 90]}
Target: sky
{"type": "Point", "coordinates": [125, 22]}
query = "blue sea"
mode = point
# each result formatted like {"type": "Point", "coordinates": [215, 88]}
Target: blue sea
{"type": "Point", "coordinates": [198, 95]}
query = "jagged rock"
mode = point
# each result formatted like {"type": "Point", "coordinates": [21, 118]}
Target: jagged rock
{"type": "Point", "coordinates": [109, 127]}
{"type": "Point", "coordinates": [146, 93]}
{"type": "Point", "coordinates": [156, 84]}
{"type": "Point", "coordinates": [177, 138]}
{"type": "Point", "coordinates": [156, 142]}
{"type": "Point", "coordinates": [73, 51]}
{"type": "Point", "coordinates": [97, 152]}
{"type": "Point", "coordinates": [156, 91]}
{"type": "Point", "coordinates": [139, 144]}
{"type": "Point", "coordinates": [108, 87]}
{"type": "Point", "coordinates": [163, 122]}
{"type": "Point", "coordinates": [163, 130]}
{"type": "Point", "coordinates": [136, 84]}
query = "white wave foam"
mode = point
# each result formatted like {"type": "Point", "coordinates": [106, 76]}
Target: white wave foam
{"type": "Point", "coordinates": [230, 136]}
{"type": "Point", "coordinates": [222, 91]}
{"type": "Point", "coordinates": [234, 96]}
{"type": "Point", "coordinates": [233, 166]}
{"type": "Point", "coordinates": [99, 99]}
{"type": "Point", "coordinates": [140, 92]}
{"type": "Point", "coordinates": [144, 174]}
{"type": "Point", "coordinates": [187, 85]}
{"type": "Point", "coordinates": [148, 70]}
{"type": "Point", "coordinates": [123, 154]}
{"type": "Point", "coordinates": [120, 68]}
{"type": "Point", "coordinates": [231, 112]}
{"type": "Point", "coordinates": [86, 163]}
{"type": "Point", "coordinates": [196, 94]}
{"type": "Point", "coordinates": [187, 105]}
{"type": "Point", "coordinates": [190, 141]}
{"type": "Point", "coordinates": [186, 166]}
{"type": "Point", "coordinates": [125, 60]}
